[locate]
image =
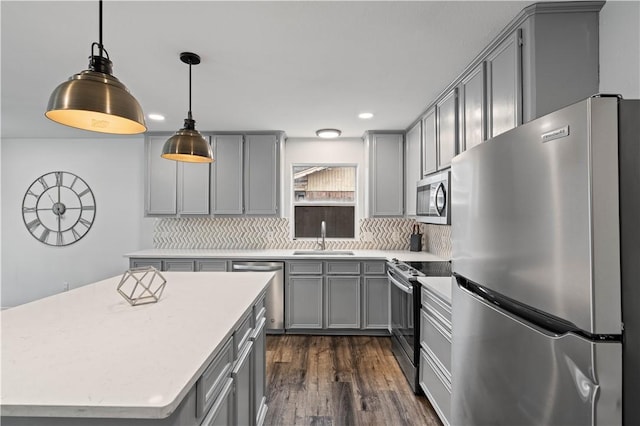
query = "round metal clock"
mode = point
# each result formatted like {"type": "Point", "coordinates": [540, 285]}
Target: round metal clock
{"type": "Point", "coordinates": [58, 208]}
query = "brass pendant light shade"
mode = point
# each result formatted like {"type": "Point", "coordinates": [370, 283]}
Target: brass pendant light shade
{"type": "Point", "coordinates": [96, 100]}
{"type": "Point", "coordinates": [188, 144]}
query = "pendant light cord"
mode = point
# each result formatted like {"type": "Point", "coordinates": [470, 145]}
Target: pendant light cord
{"type": "Point", "coordinates": [190, 116]}
{"type": "Point", "coordinates": [100, 28]}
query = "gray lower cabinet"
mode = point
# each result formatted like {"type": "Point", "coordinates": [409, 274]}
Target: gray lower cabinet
{"type": "Point", "coordinates": [375, 302]}
{"type": "Point", "coordinates": [178, 265]}
{"type": "Point", "coordinates": [386, 174]}
{"type": "Point", "coordinates": [259, 373]}
{"type": "Point", "coordinates": [181, 265]}
{"type": "Point", "coordinates": [304, 302]}
{"type": "Point", "coordinates": [174, 188]}
{"type": "Point", "coordinates": [342, 305]}
{"type": "Point", "coordinates": [141, 263]}
{"type": "Point", "coordinates": [241, 373]}
{"type": "Point", "coordinates": [209, 265]}
{"type": "Point", "coordinates": [221, 413]}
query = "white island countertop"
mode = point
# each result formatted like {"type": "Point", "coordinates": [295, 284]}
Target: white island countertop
{"type": "Point", "coordinates": [88, 353]}
{"type": "Point", "coordinates": [442, 286]}
{"type": "Point", "coordinates": [277, 254]}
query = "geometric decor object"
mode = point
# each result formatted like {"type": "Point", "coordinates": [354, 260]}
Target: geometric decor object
{"type": "Point", "coordinates": [142, 285]}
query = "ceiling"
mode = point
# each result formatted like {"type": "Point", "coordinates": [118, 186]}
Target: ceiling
{"type": "Point", "coordinates": [295, 66]}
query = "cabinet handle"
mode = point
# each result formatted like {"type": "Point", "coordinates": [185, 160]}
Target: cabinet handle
{"type": "Point", "coordinates": [242, 358]}
{"type": "Point", "coordinates": [208, 421]}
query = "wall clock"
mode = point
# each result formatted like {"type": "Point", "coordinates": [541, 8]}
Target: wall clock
{"type": "Point", "coordinates": [58, 208]}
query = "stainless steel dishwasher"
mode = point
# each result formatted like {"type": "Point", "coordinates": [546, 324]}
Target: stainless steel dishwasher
{"type": "Point", "coordinates": [274, 300]}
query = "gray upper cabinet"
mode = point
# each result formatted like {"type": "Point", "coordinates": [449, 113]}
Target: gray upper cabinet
{"type": "Point", "coordinates": [173, 187]}
{"type": "Point", "coordinates": [412, 170]}
{"type": "Point", "coordinates": [386, 168]}
{"type": "Point", "coordinates": [261, 175]}
{"type": "Point", "coordinates": [226, 174]}
{"type": "Point", "coordinates": [447, 128]}
{"type": "Point", "coordinates": [472, 108]}
{"type": "Point", "coordinates": [504, 85]}
{"type": "Point", "coordinates": [429, 142]}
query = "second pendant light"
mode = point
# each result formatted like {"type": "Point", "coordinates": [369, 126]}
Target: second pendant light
{"type": "Point", "coordinates": [188, 144]}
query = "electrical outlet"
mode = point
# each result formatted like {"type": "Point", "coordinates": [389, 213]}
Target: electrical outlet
{"type": "Point", "coordinates": [270, 236]}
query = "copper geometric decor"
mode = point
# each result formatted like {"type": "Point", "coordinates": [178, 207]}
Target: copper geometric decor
{"type": "Point", "coordinates": [142, 285]}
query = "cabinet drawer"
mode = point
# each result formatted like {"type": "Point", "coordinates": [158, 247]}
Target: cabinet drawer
{"type": "Point", "coordinates": [178, 265]}
{"type": "Point", "coordinates": [222, 411]}
{"type": "Point", "coordinates": [343, 268]}
{"type": "Point", "coordinates": [305, 268]}
{"type": "Point", "coordinates": [436, 304]}
{"type": "Point", "coordinates": [140, 263]}
{"type": "Point", "coordinates": [436, 340]}
{"type": "Point", "coordinates": [242, 333]}
{"type": "Point", "coordinates": [375, 268]}
{"type": "Point", "coordinates": [436, 387]}
{"type": "Point", "coordinates": [211, 383]}
{"type": "Point", "coordinates": [211, 265]}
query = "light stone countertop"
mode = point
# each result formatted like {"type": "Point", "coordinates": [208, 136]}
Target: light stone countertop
{"type": "Point", "coordinates": [273, 254]}
{"type": "Point", "coordinates": [442, 286]}
{"type": "Point", "coordinates": [88, 353]}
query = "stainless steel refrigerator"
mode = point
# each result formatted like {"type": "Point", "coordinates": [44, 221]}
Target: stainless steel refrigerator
{"type": "Point", "coordinates": [546, 258]}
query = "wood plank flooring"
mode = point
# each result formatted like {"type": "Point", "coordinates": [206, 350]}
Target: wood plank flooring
{"type": "Point", "coordinates": [339, 380]}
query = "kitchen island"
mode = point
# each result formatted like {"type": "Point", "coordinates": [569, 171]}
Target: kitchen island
{"type": "Point", "coordinates": [88, 357]}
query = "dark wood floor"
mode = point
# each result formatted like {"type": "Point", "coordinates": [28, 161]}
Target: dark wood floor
{"type": "Point", "coordinates": [341, 380]}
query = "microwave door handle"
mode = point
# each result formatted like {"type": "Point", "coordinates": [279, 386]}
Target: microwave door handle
{"type": "Point", "coordinates": [441, 199]}
{"type": "Point", "coordinates": [398, 284]}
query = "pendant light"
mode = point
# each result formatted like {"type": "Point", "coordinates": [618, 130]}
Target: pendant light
{"type": "Point", "coordinates": [188, 144]}
{"type": "Point", "coordinates": [95, 100]}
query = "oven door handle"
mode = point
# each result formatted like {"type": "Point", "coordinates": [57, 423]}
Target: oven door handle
{"type": "Point", "coordinates": [401, 286]}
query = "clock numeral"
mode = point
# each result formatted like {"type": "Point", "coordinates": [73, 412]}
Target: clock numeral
{"type": "Point", "coordinates": [85, 192]}
{"type": "Point", "coordinates": [88, 207]}
{"type": "Point", "coordinates": [29, 209]}
{"type": "Point", "coordinates": [58, 178]}
{"type": "Point", "coordinates": [76, 235]}
{"type": "Point", "coordinates": [75, 179]}
{"type": "Point", "coordinates": [33, 225]}
{"type": "Point", "coordinates": [45, 235]}
{"type": "Point", "coordinates": [85, 222]}
{"type": "Point", "coordinates": [59, 239]}
{"type": "Point", "coordinates": [33, 194]}
{"type": "Point", "coordinates": [44, 183]}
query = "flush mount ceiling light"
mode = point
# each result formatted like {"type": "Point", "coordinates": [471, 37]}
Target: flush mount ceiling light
{"type": "Point", "coordinates": [188, 144]}
{"type": "Point", "coordinates": [95, 100]}
{"type": "Point", "coordinates": [365, 115]}
{"type": "Point", "coordinates": [156, 117]}
{"type": "Point", "coordinates": [328, 133]}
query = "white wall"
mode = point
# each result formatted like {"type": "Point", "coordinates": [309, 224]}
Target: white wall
{"type": "Point", "coordinates": [333, 151]}
{"type": "Point", "coordinates": [620, 48]}
{"type": "Point", "coordinates": [114, 169]}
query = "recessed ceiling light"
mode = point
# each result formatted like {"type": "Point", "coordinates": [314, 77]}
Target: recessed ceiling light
{"type": "Point", "coordinates": [156, 117]}
{"type": "Point", "coordinates": [365, 115]}
{"type": "Point", "coordinates": [328, 133]}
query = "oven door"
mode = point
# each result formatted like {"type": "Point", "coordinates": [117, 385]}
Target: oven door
{"type": "Point", "coordinates": [402, 315]}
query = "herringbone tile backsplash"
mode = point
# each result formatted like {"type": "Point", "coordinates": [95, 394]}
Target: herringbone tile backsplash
{"type": "Point", "coordinates": [275, 233]}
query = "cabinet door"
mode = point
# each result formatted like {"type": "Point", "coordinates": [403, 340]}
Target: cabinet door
{"type": "Point", "coordinates": [504, 86]}
{"type": "Point", "coordinates": [343, 302]}
{"type": "Point", "coordinates": [221, 413]}
{"type": "Point", "coordinates": [387, 166]}
{"type": "Point", "coordinates": [447, 125]}
{"type": "Point", "coordinates": [376, 302]}
{"type": "Point", "coordinates": [413, 171]}
{"type": "Point", "coordinates": [161, 184]}
{"type": "Point", "coordinates": [241, 374]}
{"type": "Point", "coordinates": [472, 109]}
{"type": "Point", "coordinates": [226, 174]}
{"type": "Point", "coordinates": [429, 159]}
{"type": "Point", "coordinates": [261, 175]}
{"type": "Point", "coordinates": [304, 302]}
{"type": "Point", "coordinates": [259, 372]}
{"type": "Point", "coordinates": [141, 263]}
{"type": "Point", "coordinates": [193, 188]}
{"type": "Point", "coordinates": [178, 265]}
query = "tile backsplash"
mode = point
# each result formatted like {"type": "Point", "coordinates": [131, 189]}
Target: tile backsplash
{"type": "Point", "coordinates": [275, 233]}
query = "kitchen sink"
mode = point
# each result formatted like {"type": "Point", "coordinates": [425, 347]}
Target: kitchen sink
{"type": "Point", "coordinates": [322, 253]}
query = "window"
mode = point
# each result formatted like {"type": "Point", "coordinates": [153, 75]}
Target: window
{"type": "Point", "coordinates": [324, 192]}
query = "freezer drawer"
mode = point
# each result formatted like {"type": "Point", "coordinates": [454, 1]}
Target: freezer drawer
{"type": "Point", "coordinates": [510, 372]}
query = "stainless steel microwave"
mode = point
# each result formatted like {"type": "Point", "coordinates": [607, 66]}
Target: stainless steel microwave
{"type": "Point", "coordinates": [432, 202]}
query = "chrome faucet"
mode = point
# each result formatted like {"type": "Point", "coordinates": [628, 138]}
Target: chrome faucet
{"type": "Point", "coordinates": [323, 235]}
